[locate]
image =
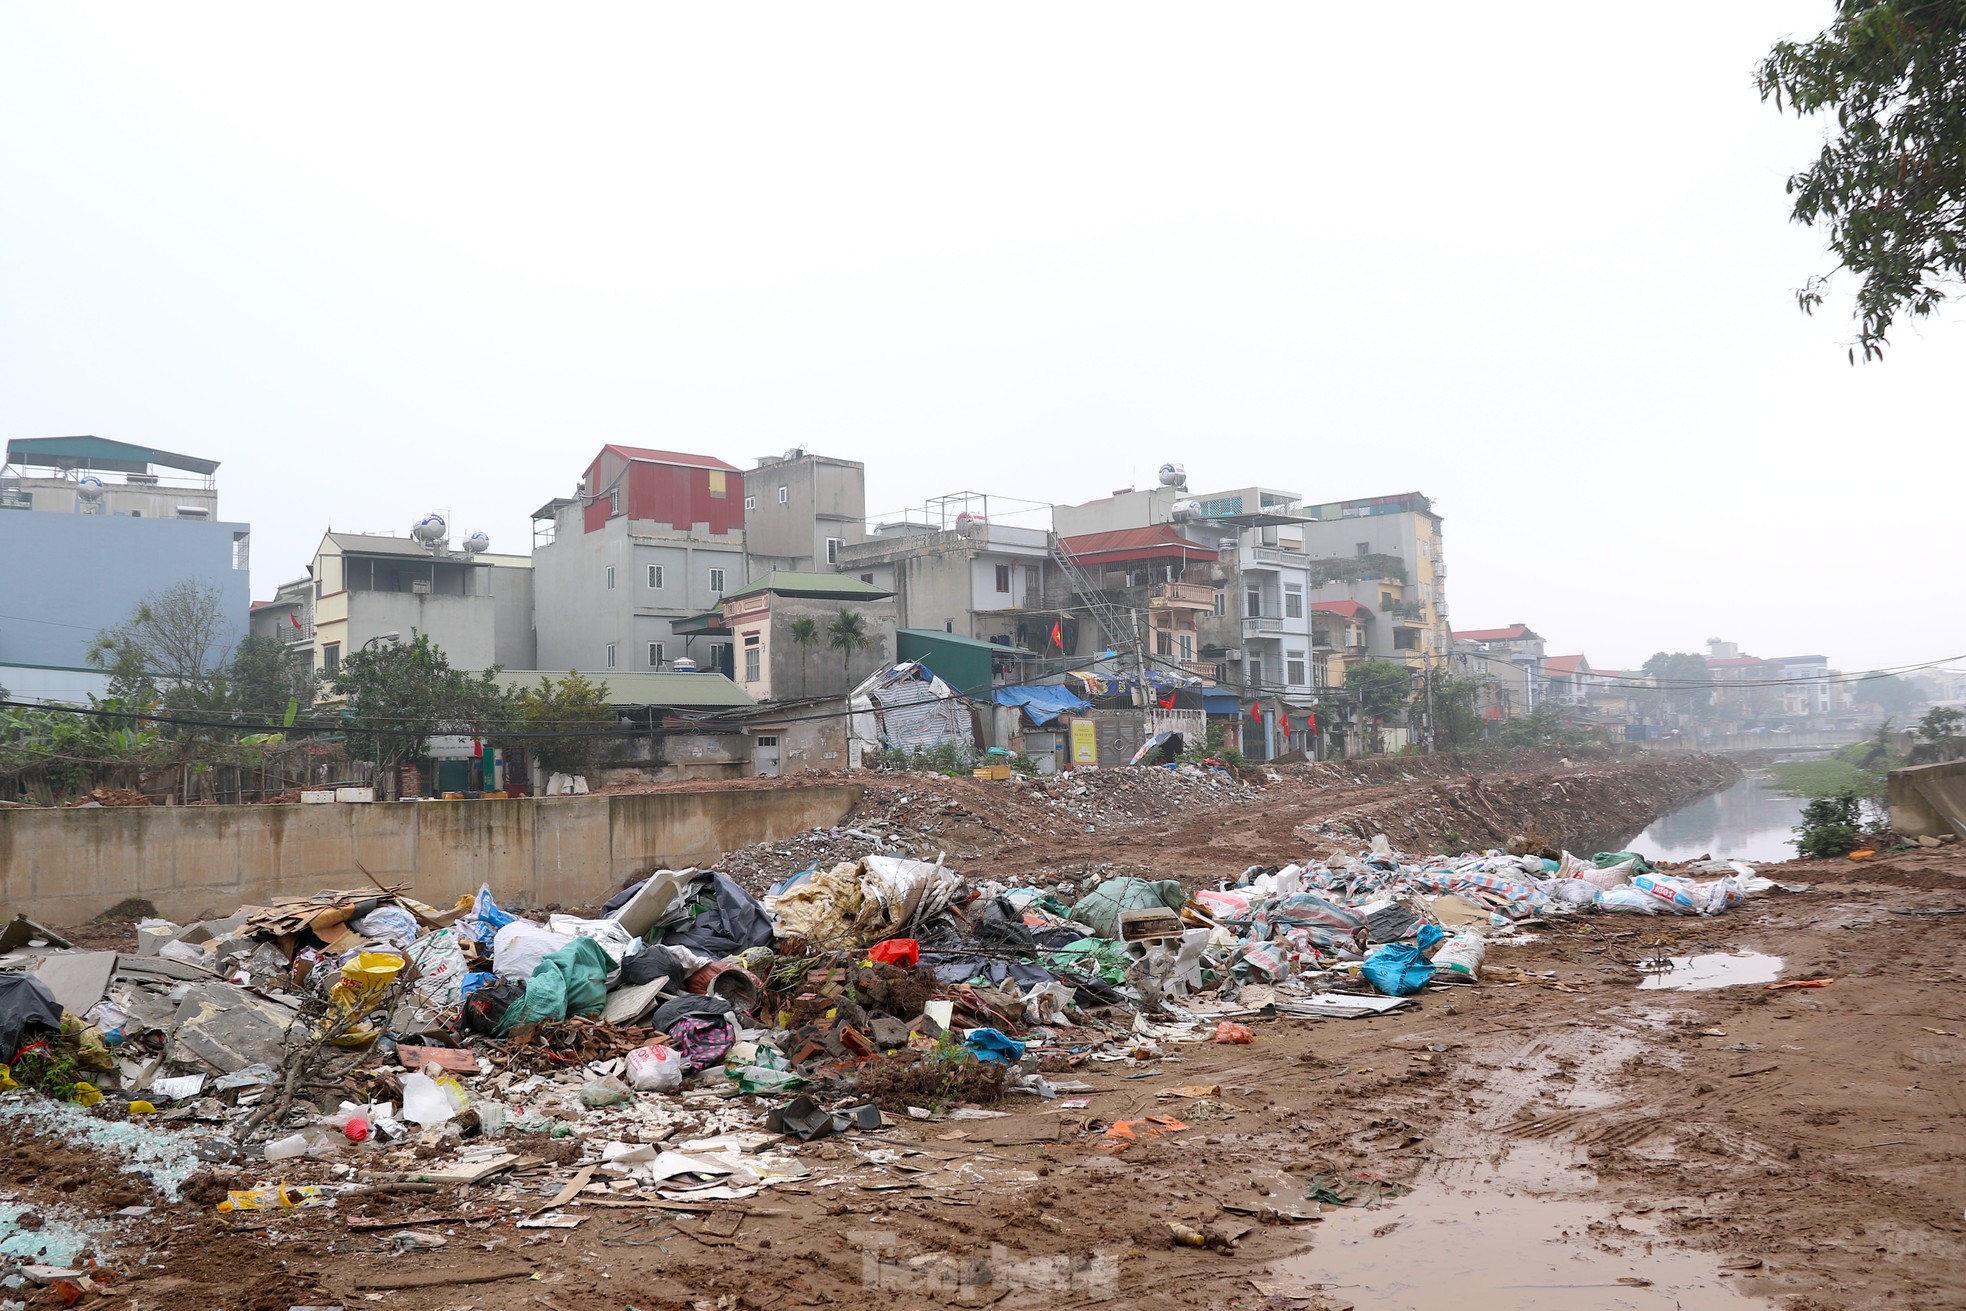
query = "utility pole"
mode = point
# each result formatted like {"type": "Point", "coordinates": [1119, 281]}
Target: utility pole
{"type": "Point", "coordinates": [1427, 672]}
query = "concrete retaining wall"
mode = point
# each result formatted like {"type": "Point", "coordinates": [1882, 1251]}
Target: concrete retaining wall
{"type": "Point", "coordinates": [1929, 800]}
{"type": "Point", "coordinates": [66, 866]}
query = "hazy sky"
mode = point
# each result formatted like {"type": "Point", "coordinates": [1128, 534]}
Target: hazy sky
{"type": "Point", "coordinates": [1534, 262]}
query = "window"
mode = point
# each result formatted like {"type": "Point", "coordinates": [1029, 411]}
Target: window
{"type": "Point", "coordinates": [1187, 648]}
{"type": "Point", "coordinates": [866, 578]}
{"type": "Point", "coordinates": [1406, 639]}
{"type": "Point", "coordinates": [1255, 663]}
{"type": "Point", "coordinates": [1385, 600]}
{"type": "Point", "coordinates": [751, 654]}
{"type": "Point", "coordinates": [1293, 665]}
{"type": "Point", "coordinates": [655, 575]}
{"type": "Point", "coordinates": [750, 502]}
{"type": "Point", "coordinates": [1031, 582]}
{"type": "Point", "coordinates": [833, 550]}
{"type": "Point", "coordinates": [330, 657]}
{"type": "Point", "coordinates": [719, 653]}
{"type": "Point", "coordinates": [1365, 548]}
{"type": "Point", "coordinates": [610, 578]}
{"type": "Point", "coordinates": [717, 581]}
{"type": "Point", "coordinates": [1253, 603]}
{"type": "Point", "coordinates": [1221, 603]}
{"type": "Point", "coordinates": [655, 655]}
{"type": "Point", "coordinates": [785, 496]}
{"type": "Point", "coordinates": [1003, 579]}
{"type": "Point", "coordinates": [719, 484]}
{"type": "Point", "coordinates": [1163, 644]}
{"type": "Point", "coordinates": [1293, 601]}
{"type": "Point", "coordinates": [610, 656]}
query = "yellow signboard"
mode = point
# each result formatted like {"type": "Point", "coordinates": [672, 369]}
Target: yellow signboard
{"type": "Point", "coordinates": [1085, 744]}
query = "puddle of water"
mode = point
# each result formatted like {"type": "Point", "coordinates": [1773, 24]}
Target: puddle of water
{"type": "Point", "coordinates": [1496, 1251]}
{"type": "Point", "coordinates": [1716, 970]}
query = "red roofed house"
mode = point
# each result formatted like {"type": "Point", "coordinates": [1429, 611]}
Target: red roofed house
{"type": "Point", "coordinates": [1736, 694]}
{"type": "Point", "coordinates": [648, 538]}
{"type": "Point", "coordinates": [1566, 679]}
{"type": "Point", "coordinates": [1155, 570]}
{"type": "Point", "coordinates": [1508, 662]}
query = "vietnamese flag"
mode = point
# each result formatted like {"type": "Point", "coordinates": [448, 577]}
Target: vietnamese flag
{"type": "Point", "coordinates": [1310, 723]}
{"type": "Point", "coordinates": [1283, 722]}
{"type": "Point", "coordinates": [1168, 704]}
{"type": "Point", "coordinates": [1058, 636]}
{"type": "Point", "coordinates": [1256, 711]}
{"type": "Point", "coordinates": [293, 618]}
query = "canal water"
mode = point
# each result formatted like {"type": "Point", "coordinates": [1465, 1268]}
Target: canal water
{"type": "Point", "coordinates": [1751, 821]}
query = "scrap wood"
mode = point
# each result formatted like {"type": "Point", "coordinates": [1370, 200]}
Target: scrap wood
{"type": "Point", "coordinates": [583, 1177]}
{"type": "Point", "coordinates": [365, 1223]}
{"type": "Point", "coordinates": [1799, 983]}
{"type": "Point", "coordinates": [451, 1060]}
{"type": "Point", "coordinates": [1759, 1069]}
{"type": "Point", "coordinates": [441, 1278]}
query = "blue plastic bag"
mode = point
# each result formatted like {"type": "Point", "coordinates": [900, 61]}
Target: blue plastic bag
{"type": "Point", "coordinates": [485, 919]}
{"type": "Point", "coordinates": [990, 1045]}
{"type": "Point", "coordinates": [1430, 934]}
{"type": "Point", "coordinates": [1398, 970]}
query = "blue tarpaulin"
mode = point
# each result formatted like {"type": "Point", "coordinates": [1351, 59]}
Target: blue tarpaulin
{"type": "Point", "coordinates": [1220, 703]}
{"type": "Point", "coordinates": [1042, 704]}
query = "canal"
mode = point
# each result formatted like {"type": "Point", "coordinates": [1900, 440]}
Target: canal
{"type": "Point", "coordinates": [1752, 820]}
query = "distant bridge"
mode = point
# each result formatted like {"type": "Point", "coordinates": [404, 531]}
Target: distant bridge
{"type": "Point", "coordinates": [1731, 743]}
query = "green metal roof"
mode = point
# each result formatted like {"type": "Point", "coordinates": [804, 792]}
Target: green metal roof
{"type": "Point", "coordinates": [100, 453]}
{"type": "Point", "coordinates": [957, 639]}
{"type": "Point", "coordinates": [695, 691]}
{"type": "Point", "coordinates": [831, 586]}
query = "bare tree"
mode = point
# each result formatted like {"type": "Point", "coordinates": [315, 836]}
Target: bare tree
{"type": "Point", "coordinates": [173, 642]}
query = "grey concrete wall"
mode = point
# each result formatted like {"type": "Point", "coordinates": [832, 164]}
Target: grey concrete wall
{"type": "Point", "coordinates": [1929, 800]}
{"type": "Point", "coordinates": [65, 866]}
{"type": "Point", "coordinates": [67, 576]}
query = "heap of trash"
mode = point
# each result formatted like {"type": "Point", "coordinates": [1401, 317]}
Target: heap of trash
{"type": "Point", "coordinates": [689, 1037]}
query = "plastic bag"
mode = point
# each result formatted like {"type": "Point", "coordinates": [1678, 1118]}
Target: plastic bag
{"type": "Point", "coordinates": [616, 941]}
{"type": "Point", "coordinates": [425, 1103]}
{"type": "Point", "coordinates": [363, 985]}
{"type": "Point", "coordinates": [485, 919]}
{"type": "Point", "coordinates": [439, 961]}
{"type": "Point", "coordinates": [1397, 970]}
{"type": "Point", "coordinates": [390, 924]}
{"type": "Point", "coordinates": [604, 1092]}
{"type": "Point", "coordinates": [904, 952]}
{"type": "Point", "coordinates": [657, 1067]}
{"type": "Point", "coordinates": [1628, 901]}
{"type": "Point", "coordinates": [519, 947]}
{"type": "Point", "coordinates": [1230, 1032]}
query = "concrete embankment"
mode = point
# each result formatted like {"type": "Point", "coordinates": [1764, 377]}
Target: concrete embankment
{"type": "Point", "coordinates": [65, 866]}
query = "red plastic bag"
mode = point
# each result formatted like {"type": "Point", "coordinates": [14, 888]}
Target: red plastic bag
{"type": "Point", "coordinates": [905, 952]}
{"type": "Point", "coordinates": [1228, 1032]}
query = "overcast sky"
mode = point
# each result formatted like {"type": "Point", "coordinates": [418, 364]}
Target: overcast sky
{"type": "Point", "coordinates": [1534, 262]}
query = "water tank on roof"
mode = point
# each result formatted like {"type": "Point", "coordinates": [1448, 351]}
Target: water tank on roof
{"type": "Point", "coordinates": [683, 666]}
{"type": "Point", "coordinates": [966, 524]}
{"type": "Point", "coordinates": [89, 488]}
{"type": "Point", "coordinates": [1173, 475]}
{"type": "Point", "coordinates": [1186, 511]}
{"type": "Point", "coordinates": [431, 529]}
{"type": "Point", "coordinates": [476, 541]}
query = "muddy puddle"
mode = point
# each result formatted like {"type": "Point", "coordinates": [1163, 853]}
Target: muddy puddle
{"type": "Point", "coordinates": [1496, 1252]}
{"type": "Point", "coordinates": [1715, 970]}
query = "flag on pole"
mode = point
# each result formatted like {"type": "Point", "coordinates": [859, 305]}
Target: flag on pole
{"type": "Point", "coordinates": [1256, 711]}
{"type": "Point", "coordinates": [293, 619]}
{"type": "Point", "coordinates": [1283, 723]}
{"type": "Point", "coordinates": [1058, 635]}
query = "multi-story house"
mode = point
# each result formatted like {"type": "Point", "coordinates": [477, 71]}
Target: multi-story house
{"type": "Point", "coordinates": [649, 539]}
{"type": "Point", "coordinates": [954, 569]}
{"type": "Point", "coordinates": [1386, 553]}
{"type": "Point", "coordinates": [1507, 661]}
{"type": "Point", "coordinates": [89, 530]}
{"type": "Point", "coordinates": [367, 588]}
{"type": "Point", "coordinates": [801, 509]}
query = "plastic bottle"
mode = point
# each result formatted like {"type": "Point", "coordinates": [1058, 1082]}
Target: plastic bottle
{"type": "Point", "coordinates": [282, 1148]}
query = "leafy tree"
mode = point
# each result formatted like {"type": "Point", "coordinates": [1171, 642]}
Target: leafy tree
{"type": "Point", "coordinates": [265, 684]}
{"type": "Point", "coordinates": [398, 694]}
{"type": "Point", "coordinates": [1456, 707]}
{"type": "Point", "coordinates": [575, 711]}
{"type": "Point", "coordinates": [1891, 183]}
{"type": "Point", "coordinates": [1381, 687]}
{"type": "Point", "coordinates": [1891, 694]}
{"type": "Point", "coordinates": [1685, 682]}
{"type": "Point", "coordinates": [1941, 724]}
{"type": "Point", "coordinates": [804, 632]}
{"type": "Point", "coordinates": [172, 643]}
{"type": "Point", "coordinates": [848, 635]}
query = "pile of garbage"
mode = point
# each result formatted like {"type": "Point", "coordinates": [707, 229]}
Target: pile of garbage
{"type": "Point", "coordinates": [690, 1036]}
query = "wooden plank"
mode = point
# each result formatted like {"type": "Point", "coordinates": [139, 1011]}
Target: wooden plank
{"type": "Point", "coordinates": [442, 1278]}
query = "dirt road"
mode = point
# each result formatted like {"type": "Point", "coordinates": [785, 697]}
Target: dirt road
{"type": "Point", "coordinates": [1569, 1138]}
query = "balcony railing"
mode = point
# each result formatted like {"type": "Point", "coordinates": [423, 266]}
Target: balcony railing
{"type": "Point", "coordinates": [1277, 555]}
{"type": "Point", "coordinates": [1182, 596]}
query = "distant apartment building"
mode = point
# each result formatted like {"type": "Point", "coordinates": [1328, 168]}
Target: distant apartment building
{"type": "Point", "coordinates": [648, 540]}
{"type": "Point", "coordinates": [1506, 661]}
{"type": "Point", "coordinates": [1386, 553]}
{"type": "Point", "coordinates": [90, 529]}
{"type": "Point", "coordinates": [801, 510]}
{"type": "Point", "coordinates": [363, 589]}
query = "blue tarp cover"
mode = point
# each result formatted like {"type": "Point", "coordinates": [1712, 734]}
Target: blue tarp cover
{"type": "Point", "coordinates": [1042, 704]}
{"type": "Point", "coordinates": [1220, 703]}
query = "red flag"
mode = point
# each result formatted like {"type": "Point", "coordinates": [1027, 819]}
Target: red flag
{"type": "Point", "coordinates": [1256, 711]}
{"type": "Point", "coordinates": [1310, 724]}
{"type": "Point", "coordinates": [293, 619]}
{"type": "Point", "coordinates": [1283, 722]}
{"type": "Point", "coordinates": [1058, 636]}
{"type": "Point", "coordinates": [1168, 704]}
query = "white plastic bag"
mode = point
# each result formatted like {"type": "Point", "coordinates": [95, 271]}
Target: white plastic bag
{"type": "Point", "coordinates": [424, 1102]}
{"type": "Point", "coordinates": [615, 940]}
{"type": "Point", "coordinates": [518, 948]}
{"type": "Point", "coordinates": [657, 1067]}
{"type": "Point", "coordinates": [439, 962]}
{"type": "Point", "coordinates": [390, 924]}
{"type": "Point", "coordinates": [1462, 954]}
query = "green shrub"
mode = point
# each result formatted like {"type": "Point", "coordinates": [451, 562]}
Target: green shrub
{"type": "Point", "coordinates": [1831, 826]}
